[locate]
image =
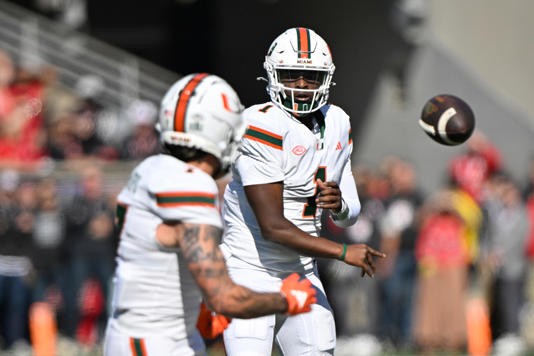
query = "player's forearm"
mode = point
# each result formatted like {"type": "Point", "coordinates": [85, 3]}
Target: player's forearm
{"type": "Point", "coordinates": [241, 302]}
{"type": "Point", "coordinates": [305, 244]}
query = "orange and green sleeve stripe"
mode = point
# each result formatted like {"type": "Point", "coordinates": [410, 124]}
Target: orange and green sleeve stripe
{"type": "Point", "coordinates": [174, 199]}
{"type": "Point", "coordinates": [137, 346]}
{"type": "Point", "coordinates": [263, 136]}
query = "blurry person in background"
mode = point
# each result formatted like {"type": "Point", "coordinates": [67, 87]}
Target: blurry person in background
{"type": "Point", "coordinates": [440, 321]}
{"type": "Point", "coordinates": [471, 169]}
{"type": "Point", "coordinates": [528, 188]}
{"type": "Point", "coordinates": [22, 136]}
{"type": "Point", "coordinates": [468, 174]}
{"type": "Point", "coordinates": [49, 262]}
{"type": "Point", "coordinates": [143, 141]}
{"type": "Point", "coordinates": [397, 274]}
{"type": "Point", "coordinates": [15, 264]}
{"type": "Point", "coordinates": [62, 143]}
{"type": "Point", "coordinates": [168, 258]}
{"type": "Point", "coordinates": [93, 123]}
{"type": "Point", "coordinates": [528, 198]}
{"type": "Point", "coordinates": [49, 243]}
{"type": "Point", "coordinates": [89, 228]}
{"type": "Point", "coordinates": [503, 254]}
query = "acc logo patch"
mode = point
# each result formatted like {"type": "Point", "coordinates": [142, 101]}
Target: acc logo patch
{"type": "Point", "coordinates": [299, 150]}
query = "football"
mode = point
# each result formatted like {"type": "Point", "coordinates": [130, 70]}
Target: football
{"type": "Point", "coordinates": [447, 119]}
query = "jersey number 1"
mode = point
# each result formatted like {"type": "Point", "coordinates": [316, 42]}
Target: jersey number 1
{"type": "Point", "coordinates": [310, 208]}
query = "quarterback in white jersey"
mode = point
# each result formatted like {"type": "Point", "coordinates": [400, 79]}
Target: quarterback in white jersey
{"type": "Point", "coordinates": [293, 162]}
{"type": "Point", "coordinates": [278, 147]}
{"type": "Point", "coordinates": [168, 258]}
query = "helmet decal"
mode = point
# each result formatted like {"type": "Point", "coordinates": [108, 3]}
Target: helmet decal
{"type": "Point", "coordinates": [183, 101]}
{"type": "Point", "coordinates": [303, 36]}
{"type": "Point", "coordinates": [226, 105]}
{"type": "Point", "coordinates": [273, 46]}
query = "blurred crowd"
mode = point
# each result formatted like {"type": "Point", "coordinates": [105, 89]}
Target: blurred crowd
{"type": "Point", "coordinates": [42, 121]}
{"type": "Point", "coordinates": [57, 210]}
{"type": "Point", "coordinates": [56, 258]}
{"type": "Point", "coordinates": [459, 274]}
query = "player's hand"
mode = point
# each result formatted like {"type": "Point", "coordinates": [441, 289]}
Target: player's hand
{"type": "Point", "coordinates": [329, 196]}
{"type": "Point", "coordinates": [210, 324]}
{"type": "Point", "coordinates": [361, 255]}
{"type": "Point", "coordinates": [300, 295]}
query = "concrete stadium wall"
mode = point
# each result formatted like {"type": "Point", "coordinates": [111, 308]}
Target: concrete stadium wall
{"type": "Point", "coordinates": [494, 39]}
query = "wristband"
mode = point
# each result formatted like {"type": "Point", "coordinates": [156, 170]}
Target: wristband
{"type": "Point", "coordinates": [343, 213]}
{"type": "Point", "coordinates": [344, 253]}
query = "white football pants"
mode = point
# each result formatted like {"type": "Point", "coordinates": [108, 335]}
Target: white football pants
{"type": "Point", "coordinates": [118, 343]}
{"type": "Point", "coordinates": [312, 333]}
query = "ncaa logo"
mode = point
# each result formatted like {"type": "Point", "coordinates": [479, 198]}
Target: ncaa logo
{"type": "Point", "coordinates": [299, 150]}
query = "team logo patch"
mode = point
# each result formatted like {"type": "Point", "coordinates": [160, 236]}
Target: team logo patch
{"type": "Point", "coordinates": [299, 150]}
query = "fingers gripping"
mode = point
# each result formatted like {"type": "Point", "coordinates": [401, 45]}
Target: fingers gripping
{"type": "Point", "coordinates": [329, 196]}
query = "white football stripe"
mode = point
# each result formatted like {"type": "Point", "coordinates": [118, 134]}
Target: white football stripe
{"type": "Point", "coordinates": [442, 125]}
{"type": "Point", "coordinates": [426, 127]}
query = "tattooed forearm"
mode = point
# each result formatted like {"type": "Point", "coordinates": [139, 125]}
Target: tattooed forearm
{"type": "Point", "coordinates": [200, 243]}
{"type": "Point", "coordinates": [241, 302]}
{"type": "Point", "coordinates": [205, 260]}
{"type": "Point", "coordinates": [200, 248]}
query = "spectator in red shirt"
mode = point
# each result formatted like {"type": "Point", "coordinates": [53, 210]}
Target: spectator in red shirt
{"type": "Point", "coordinates": [470, 170]}
{"type": "Point", "coordinates": [440, 321]}
{"type": "Point", "coordinates": [21, 127]}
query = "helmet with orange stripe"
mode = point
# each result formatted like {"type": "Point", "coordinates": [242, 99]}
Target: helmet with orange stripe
{"type": "Point", "coordinates": [199, 114]}
{"type": "Point", "coordinates": [299, 55]}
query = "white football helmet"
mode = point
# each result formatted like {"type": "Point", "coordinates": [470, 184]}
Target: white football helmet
{"type": "Point", "coordinates": [299, 49]}
{"type": "Point", "coordinates": [202, 111]}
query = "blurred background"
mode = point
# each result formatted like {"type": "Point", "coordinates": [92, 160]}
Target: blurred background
{"type": "Point", "coordinates": [80, 85]}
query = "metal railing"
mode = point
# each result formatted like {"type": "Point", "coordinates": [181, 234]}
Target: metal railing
{"type": "Point", "coordinates": [34, 40]}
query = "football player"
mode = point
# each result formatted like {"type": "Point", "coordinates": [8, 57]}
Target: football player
{"type": "Point", "coordinates": [170, 228]}
{"type": "Point", "coordinates": [294, 161]}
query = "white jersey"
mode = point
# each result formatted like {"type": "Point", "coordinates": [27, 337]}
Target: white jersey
{"type": "Point", "coordinates": [278, 148]}
{"type": "Point", "coordinates": [154, 292]}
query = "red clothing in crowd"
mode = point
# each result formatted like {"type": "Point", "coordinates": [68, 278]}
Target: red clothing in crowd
{"type": "Point", "coordinates": [471, 170]}
{"type": "Point", "coordinates": [530, 239]}
{"type": "Point", "coordinates": [440, 242]}
{"type": "Point", "coordinates": [21, 140]}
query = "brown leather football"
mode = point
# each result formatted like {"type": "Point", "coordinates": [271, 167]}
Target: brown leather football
{"type": "Point", "coordinates": [447, 119]}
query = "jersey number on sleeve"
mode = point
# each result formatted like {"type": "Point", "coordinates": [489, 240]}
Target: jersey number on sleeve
{"type": "Point", "coordinates": [310, 208]}
{"type": "Point", "coordinates": [265, 108]}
